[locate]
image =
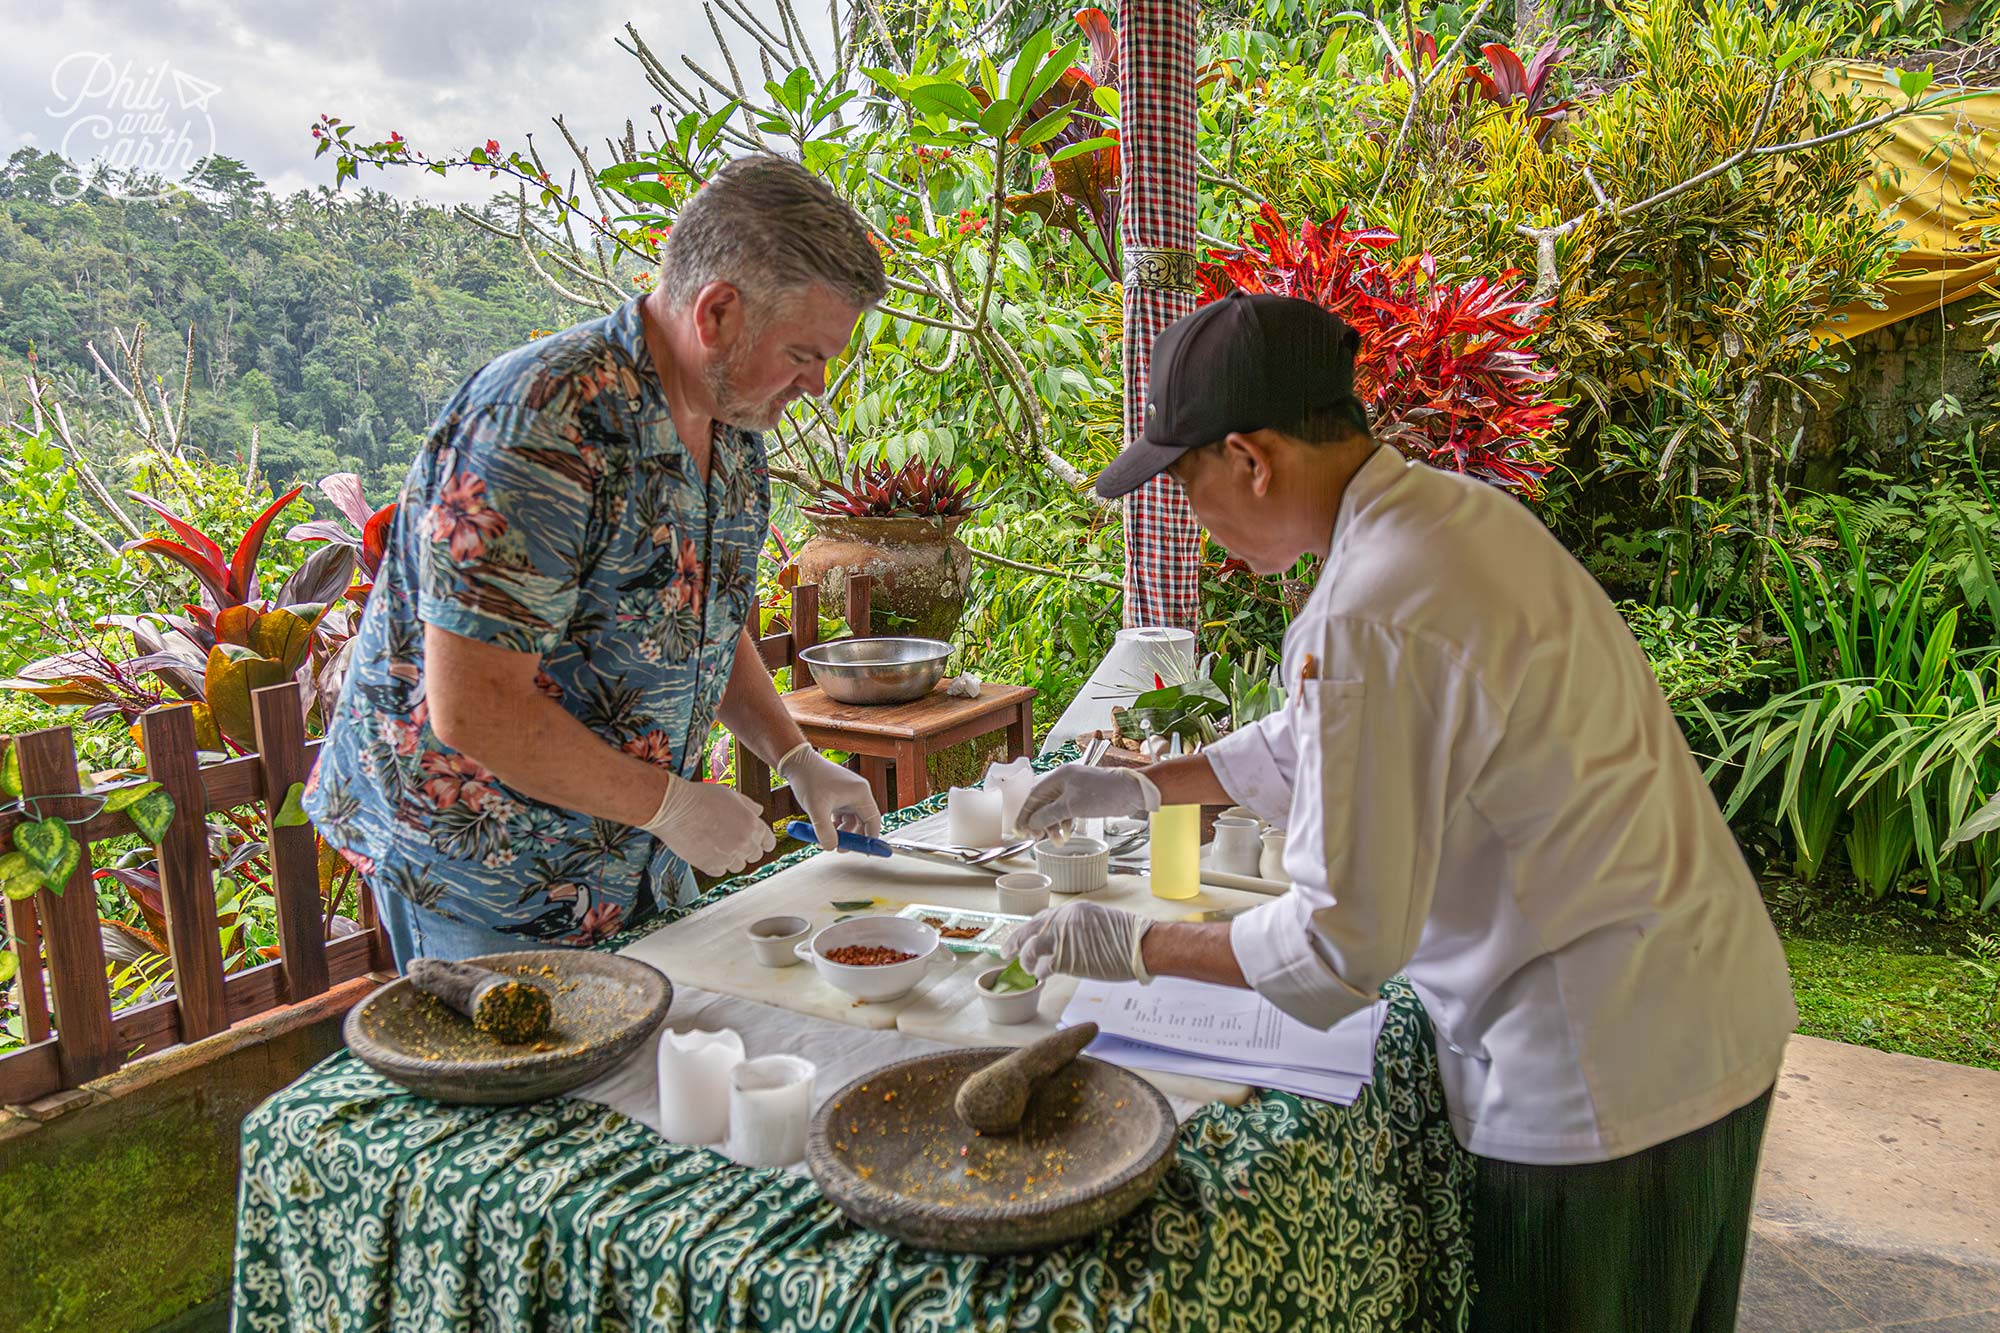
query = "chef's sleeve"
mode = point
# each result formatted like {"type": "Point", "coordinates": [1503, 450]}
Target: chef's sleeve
{"type": "Point", "coordinates": [1254, 764]}
{"type": "Point", "coordinates": [1386, 747]}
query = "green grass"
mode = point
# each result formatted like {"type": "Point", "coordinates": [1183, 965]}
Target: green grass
{"type": "Point", "coordinates": [1887, 977]}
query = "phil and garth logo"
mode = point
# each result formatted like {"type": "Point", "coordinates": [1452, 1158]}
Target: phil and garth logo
{"type": "Point", "coordinates": [132, 132]}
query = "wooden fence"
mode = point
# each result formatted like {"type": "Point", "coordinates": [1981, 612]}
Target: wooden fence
{"type": "Point", "coordinates": [72, 1033]}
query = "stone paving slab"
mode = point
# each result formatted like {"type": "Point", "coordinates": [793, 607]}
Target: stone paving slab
{"type": "Point", "coordinates": [1878, 1204]}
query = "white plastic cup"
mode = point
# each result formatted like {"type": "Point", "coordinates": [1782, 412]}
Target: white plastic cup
{"type": "Point", "coordinates": [770, 1105]}
{"type": "Point", "coordinates": [694, 1070]}
{"type": "Point", "coordinates": [972, 817]}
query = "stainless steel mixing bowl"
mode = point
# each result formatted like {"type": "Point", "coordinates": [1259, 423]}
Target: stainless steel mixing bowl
{"type": "Point", "coordinates": [877, 671]}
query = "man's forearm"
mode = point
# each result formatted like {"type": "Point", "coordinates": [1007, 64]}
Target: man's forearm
{"type": "Point", "coordinates": [751, 709]}
{"type": "Point", "coordinates": [1188, 781]}
{"type": "Point", "coordinates": [1197, 950]}
{"type": "Point", "coordinates": [539, 749]}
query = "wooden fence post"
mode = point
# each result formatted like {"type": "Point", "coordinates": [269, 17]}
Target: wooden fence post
{"type": "Point", "coordinates": [69, 923]}
{"type": "Point", "coordinates": [187, 879]}
{"type": "Point", "coordinates": [805, 630]}
{"type": "Point", "coordinates": [281, 749]}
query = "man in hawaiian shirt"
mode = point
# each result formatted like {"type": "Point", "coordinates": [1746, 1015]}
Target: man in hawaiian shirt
{"type": "Point", "coordinates": [566, 604]}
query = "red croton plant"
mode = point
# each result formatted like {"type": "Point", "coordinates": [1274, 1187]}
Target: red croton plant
{"type": "Point", "coordinates": [1447, 370]}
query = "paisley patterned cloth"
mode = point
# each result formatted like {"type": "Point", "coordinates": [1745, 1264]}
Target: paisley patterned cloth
{"type": "Point", "coordinates": [364, 1208]}
{"type": "Point", "coordinates": [552, 510]}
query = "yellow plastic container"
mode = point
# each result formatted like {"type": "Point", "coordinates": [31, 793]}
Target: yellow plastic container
{"type": "Point", "coordinates": [1177, 852]}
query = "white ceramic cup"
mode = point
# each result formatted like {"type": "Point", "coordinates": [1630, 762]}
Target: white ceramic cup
{"type": "Point", "coordinates": [1271, 865]}
{"type": "Point", "coordinates": [694, 1069]}
{"type": "Point", "coordinates": [1074, 865]}
{"type": "Point", "coordinates": [770, 1105]}
{"type": "Point", "coordinates": [1007, 1007]}
{"type": "Point", "coordinates": [774, 940]}
{"type": "Point", "coordinates": [1238, 850]}
{"type": "Point", "coordinates": [1023, 893]}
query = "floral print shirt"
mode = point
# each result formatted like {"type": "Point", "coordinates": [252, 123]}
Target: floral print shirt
{"type": "Point", "coordinates": [551, 510]}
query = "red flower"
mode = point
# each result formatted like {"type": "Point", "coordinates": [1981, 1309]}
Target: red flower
{"type": "Point", "coordinates": [688, 575]}
{"type": "Point", "coordinates": [395, 137]}
{"type": "Point", "coordinates": [902, 220]}
{"type": "Point", "coordinates": [462, 517]}
{"type": "Point", "coordinates": [653, 747]}
{"type": "Point", "coordinates": [492, 145]}
{"type": "Point", "coordinates": [1158, 684]}
{"type": "Point", "coordinates": [457, 779]}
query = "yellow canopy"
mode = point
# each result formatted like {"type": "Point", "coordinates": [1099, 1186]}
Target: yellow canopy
{"type": "Point", "coordinates": [1927, 169]}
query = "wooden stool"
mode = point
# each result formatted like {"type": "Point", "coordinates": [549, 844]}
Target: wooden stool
{"type": "Point", "coordinates": [906, 735]}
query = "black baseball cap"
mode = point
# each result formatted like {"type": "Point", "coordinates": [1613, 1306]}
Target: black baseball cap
{"type": "Point", "coordinates": [1250, 361]}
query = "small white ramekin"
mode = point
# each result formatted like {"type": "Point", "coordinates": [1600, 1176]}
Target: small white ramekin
{"type": "Point", "coordinates": [1074, 865]}
{"type": "Point", "coordinates": [1023, 893]}
{"type": "Point", "coordinates": [1008, 1007]}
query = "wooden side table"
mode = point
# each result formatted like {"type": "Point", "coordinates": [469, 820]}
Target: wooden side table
{"type": "Point", "coordinates": [906, 735]}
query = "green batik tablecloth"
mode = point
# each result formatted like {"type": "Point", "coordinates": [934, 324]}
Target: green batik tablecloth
{"type": "Point", "coordinates": [362, 1207]}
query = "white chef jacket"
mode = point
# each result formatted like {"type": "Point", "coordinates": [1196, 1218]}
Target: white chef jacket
{"type": "Point", "coordinates": [1486, 791]}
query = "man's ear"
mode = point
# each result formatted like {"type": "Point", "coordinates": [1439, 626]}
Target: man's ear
{"type": "Point", "coordinates": [718, 314]}
{"type": "Point", "coordinates": [1252, 453]}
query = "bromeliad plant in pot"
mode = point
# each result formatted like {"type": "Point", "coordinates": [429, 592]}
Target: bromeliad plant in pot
{"type": "Point", "coordinates": [897, 526]}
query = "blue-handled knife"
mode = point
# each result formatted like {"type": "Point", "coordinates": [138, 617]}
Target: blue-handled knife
{"type": "Point", "coordinates": [849, 842]}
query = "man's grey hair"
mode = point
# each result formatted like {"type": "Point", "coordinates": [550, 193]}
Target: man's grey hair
{"type": "Point", "coordinates": [770, 228]}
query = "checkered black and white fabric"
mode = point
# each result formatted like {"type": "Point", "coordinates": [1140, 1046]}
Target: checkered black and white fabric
{"type": "Point", "coordinates": [1156, 45]}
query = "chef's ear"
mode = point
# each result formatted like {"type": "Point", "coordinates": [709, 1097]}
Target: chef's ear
{"type": "Point", "coordinates": [1250, 455]}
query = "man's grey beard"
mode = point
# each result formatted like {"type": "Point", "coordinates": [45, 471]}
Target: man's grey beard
{"type": "Point", "coordinates": [732, 406]}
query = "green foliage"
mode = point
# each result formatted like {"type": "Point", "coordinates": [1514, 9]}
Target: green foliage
{"type": "Point", "coordinates": [1693, 656]}
{"type": "Point", "coordinates": [1886, 731]}
{"type": "Point", "coordinates": [333, 328]}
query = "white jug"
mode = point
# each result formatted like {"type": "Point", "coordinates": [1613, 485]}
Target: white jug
{"type": "Point", "coordinates": [1272, 864]}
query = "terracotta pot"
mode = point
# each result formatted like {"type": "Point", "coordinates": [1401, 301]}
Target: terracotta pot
{"type": "Point", "coordinates": [921, 571]}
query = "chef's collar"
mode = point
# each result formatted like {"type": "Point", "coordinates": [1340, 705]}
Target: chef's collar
{"type": "Point", "coordinates": [1368, 484]}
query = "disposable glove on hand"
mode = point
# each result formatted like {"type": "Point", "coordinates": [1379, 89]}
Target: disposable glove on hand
{"type": "Point", "coordinates": [834, 798]}
{"type": "Point", "coordinates": [716, 829]}
{"type": "Point", "coordinates": [1083, 940]}
{"type": "Point", "coordinates": [1075, 792]}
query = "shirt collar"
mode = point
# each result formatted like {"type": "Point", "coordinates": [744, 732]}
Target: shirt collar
{"type": "Point", "coordinates": [1370, 482]}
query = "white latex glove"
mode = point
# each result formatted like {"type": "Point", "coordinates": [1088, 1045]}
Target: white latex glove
{"type": "Point", "coordinates": [834, 798]}
{"type": "Point", "coordinates": [1075, 792]}
{"type": "Point", "coordinates": [1083, 939]}
{"type": "Point", "coordinates": [716, 829]}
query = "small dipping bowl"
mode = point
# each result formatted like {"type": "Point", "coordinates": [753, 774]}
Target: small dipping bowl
{"type": "Point", "coordinates": [1023, 893]}
{"type": "Point", "coordinates": [775, 939]}
{"type": "Point", "coordinates": [882, 982]}
{"type": "Point", "coordinates": [1008, 1007]}
{"type": "Point", "coordinates": [1074, 865]}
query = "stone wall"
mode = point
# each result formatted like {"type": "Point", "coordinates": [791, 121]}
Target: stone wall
{"type": "Point", "coordinates": [1878, 408]}
{"type": "Point", "coordinates": [118, 1199]}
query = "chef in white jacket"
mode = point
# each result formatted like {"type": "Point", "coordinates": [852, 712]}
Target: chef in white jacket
{"type": "Point", "coordinates": [1486, 792]}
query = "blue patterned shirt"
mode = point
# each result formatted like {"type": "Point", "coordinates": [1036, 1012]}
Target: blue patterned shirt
{"type": "Point", "coordinates": [551, 510]}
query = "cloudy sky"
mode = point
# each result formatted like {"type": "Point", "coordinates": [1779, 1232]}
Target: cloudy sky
{"type": "Point", "coordinates": [93, 77]}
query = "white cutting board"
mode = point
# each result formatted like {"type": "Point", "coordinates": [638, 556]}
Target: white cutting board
{"type": "Point", "coordinates": [948, 1008]}
{"type": "Point", "coordinates": [711, 948]}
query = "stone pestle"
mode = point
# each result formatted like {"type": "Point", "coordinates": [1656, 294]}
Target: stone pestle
{"type": "Point", "coordinates": [994, 1099]}
{"type": "Point", "coordinates": [504, 1007]}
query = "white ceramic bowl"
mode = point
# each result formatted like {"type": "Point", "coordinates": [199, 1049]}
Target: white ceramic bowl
{"type": "Point", "coordinates": [1023, 893]}
{"type": "Point", "coordinates": [775, 940]}
{"type": "Point", "coordinates": [1008, 1007]}
{"type": "Point", "coordinates": [1074, 865]}
{"type": "Point", "coordinates": [888, 981]}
